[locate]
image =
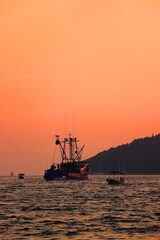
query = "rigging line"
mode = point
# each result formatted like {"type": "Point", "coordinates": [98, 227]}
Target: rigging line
{"type": "Point", "coordinates": [54, 154]}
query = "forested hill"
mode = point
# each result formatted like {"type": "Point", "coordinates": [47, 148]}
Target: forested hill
{"type": "Point", "coordinates": [142, 156]}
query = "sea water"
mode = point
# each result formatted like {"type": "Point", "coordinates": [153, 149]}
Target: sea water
{"type": "Point", "coordinates": [33, 208]}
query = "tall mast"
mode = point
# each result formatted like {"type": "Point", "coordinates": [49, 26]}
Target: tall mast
{"type": "Point", "coordinates": [70, 147]}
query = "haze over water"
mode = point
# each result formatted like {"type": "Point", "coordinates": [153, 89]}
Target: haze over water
{"type": "Point", "coordinates": [33, 208]}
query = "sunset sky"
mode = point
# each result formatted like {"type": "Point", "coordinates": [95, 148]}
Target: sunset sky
{"type": "Point", "coordinates": [91, 65]}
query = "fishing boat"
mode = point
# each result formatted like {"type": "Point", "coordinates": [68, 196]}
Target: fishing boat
{"type": "Point", "coordinates": [11, 174]}
{"type": "Point", "coordinates": [71, 166]}
{"type": "Point", "coordinates": [21, 175]}
{"type": "Point", "coordinates": [115, 178]}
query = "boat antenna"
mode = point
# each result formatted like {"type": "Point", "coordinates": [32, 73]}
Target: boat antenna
{"type": "Point", "coordinates": [65, 126]}
{"type": "Point", "coordinates": [73, 124]}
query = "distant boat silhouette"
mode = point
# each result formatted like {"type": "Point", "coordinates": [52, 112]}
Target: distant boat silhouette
{"type": "Point", "coordinates": [21, 175]}
{"type": "Point", "coordinates": [11, 174]}
{"type": "Point", "coordinates": [115, 178]}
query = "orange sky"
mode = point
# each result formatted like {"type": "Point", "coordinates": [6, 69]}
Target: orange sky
{"type": "Point", "coordinates": [96, 62]}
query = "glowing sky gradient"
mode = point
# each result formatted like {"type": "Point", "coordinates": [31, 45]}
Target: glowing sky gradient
{"type": "Point", "coordinates": [94, 63]}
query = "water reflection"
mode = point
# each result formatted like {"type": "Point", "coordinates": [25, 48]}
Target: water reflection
{"type": "Point", "coordinates": [36, 209]}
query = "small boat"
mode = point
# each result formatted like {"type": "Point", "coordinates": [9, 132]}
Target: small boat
{"type": "Point", "coordinates": [115, 178]}
{"type": "Point", "coordinates": [11, 174]}
{"type": "Point", "coordinates": [71, 167]}
{"type": "Point", "coordinates": [21, 175]}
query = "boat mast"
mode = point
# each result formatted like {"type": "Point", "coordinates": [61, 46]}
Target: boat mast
{"type": "Point", "coordinates": [62, 148]}
{"type": "Point", "coordinates": [78, 153]}
{"type": "Point", "coordinates": [73, 155]}
{"type": "Point", "coordinates": [71, 147]}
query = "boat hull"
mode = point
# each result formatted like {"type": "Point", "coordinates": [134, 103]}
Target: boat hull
{"type": "Point", "coordinates": [65, 175]}
{"type": "Point", "coordinates": [21, 175]}
{"type": "Point", "coordinates": [113, 181]}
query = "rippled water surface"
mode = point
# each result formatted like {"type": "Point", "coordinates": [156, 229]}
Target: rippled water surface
{"type": "Point", "coordinates": [33, 208]}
